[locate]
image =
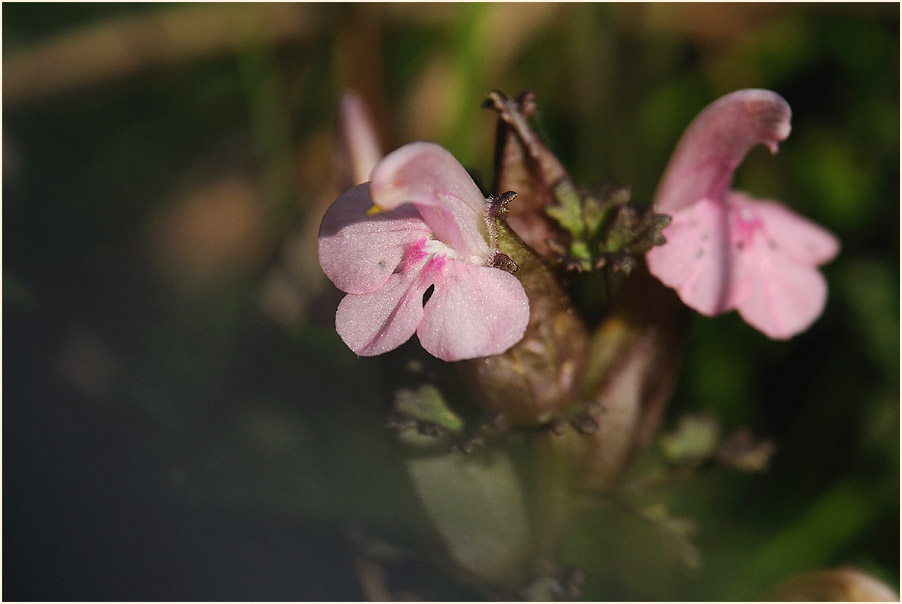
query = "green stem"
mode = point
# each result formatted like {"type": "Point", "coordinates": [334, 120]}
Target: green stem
{"type": "Point", "coordinates": [554, 500]}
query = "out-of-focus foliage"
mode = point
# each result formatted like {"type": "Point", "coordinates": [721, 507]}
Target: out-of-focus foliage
{"type": "Point", "coordinates": [180, 419]}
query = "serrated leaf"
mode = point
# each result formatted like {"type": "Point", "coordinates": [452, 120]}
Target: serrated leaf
{"type": "Point", "coordinates": [648, 234]}
{"type": "Point", "coordinates": [634, 234]}
{"type": "Point", "coordinates": [594, 213]}
{"type": "Point", "coordinates": [568, 210]}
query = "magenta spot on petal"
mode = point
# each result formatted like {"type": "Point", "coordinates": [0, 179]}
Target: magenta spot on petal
{"type": "Point", "coordinates": [415, 253]}
{"type": "Point", "coordinates": [745, 224]}
{"type": "Point", "coordinates": [435, 267]}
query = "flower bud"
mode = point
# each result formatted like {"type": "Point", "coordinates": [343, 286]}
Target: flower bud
{"type": "Point", "coordinates": [358, 148]}
{"type": "Point", "coordinates": [833, 585]}
{"type": "Point", "coordinates": [630, 375]}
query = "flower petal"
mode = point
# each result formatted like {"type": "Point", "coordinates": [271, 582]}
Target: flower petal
{"type": "Point", "coordinates": [714, 268]}
{"type": "Point", "coordinates": [380, 321]}
{"type": "Point", "coordinates": [359, 252]}
{"type": "Point", "coordinates": [795, 236]}
{"type": "Point", "coordinates": [716, 141]}
{"type": "Point", "coordinates": [475, 311]}
{"type": "Point", "coordinates": [780, 297]}
{"type": "Point", "coordinates": [695, 261]}
{"type": "Point", "coordinates": [429, 177]}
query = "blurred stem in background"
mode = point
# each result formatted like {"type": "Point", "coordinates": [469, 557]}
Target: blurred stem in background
{"type": "Point", "coordinates": [270, 123]}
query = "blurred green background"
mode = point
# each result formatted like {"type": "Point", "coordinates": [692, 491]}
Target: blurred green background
{"type": "Point", "coordinates": [180, 420]}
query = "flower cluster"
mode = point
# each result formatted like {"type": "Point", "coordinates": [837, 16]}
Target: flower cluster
{"type": "Point", "coordinates": [413, 250]}
{"type": "Point", "coordinates": [418, 249]}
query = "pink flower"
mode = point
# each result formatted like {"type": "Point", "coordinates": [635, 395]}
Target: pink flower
{"type": "Point", "coordinates": [429, 230]}
{"type": "Point", "coordinates": [725, 250]}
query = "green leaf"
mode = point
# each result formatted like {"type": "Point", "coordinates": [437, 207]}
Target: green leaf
{"type": "Point", "coordinates": [476, 505]}
{"type": "Point", "coordinates": [568, 211]}
{"type": "Point", "coordinates": [426, 404]}
{"type": "Point", "coordinates": [635, 234]}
